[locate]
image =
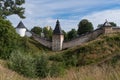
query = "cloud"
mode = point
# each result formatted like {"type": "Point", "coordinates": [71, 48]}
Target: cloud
{"type": "Point", "coordinates": [69, 12]}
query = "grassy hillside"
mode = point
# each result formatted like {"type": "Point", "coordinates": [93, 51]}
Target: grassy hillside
{"type": "Point", "coordinates": [6, 74]}
{"type": "Point", "coordinates": [30, 45]}
{"type": "Point", "coordinates": [95, 60]}
{"type": "Point", "coordinates": [95, 52]}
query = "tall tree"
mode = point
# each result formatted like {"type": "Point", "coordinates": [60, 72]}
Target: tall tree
{"type": "Point", "coordinates": [48, 32]}
{"type": "Point", "coordinates": [9, 7]}
{"type": "Point", "coordinates": [37, 30]}
{"type": "Point", "coordinates": [72, 34]}
{"type": "Point", "coordinates": [84, 26]}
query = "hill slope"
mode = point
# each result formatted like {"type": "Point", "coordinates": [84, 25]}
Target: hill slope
{"type": "Point", "coordinates": [105, 49]}
{"type": "Point", "coordinates": [6, 74]}
{"type": "Point", "coordinates": [95, 52]}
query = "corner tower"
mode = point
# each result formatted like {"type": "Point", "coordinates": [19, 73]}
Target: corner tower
{"type": "Point", "coordinates": [107, 27]}
{"type": "Point", "coordinates": [21, 29]}
{"type": "Point", "coordinates": [57, 38]}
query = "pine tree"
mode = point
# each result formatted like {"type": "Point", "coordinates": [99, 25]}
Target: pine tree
{"type": "Point", "coordinates": [10, 7]}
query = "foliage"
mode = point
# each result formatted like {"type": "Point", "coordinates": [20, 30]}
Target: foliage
{"type": "Point", "coordinates": [113, 24]}
{"type": "Point", "coordinates": [84, 26]}
{"type": "Point", "coordinates": [42, 67]}
{"type": "Point", "coordinates": [8, 38]}
{"type": "Point", "coordinates": [22, 63]}
{"type": "Point", "coordinates": [69, 59]}
{"type": "Point", "coordinates": [37, 30]}
{"type": "Point", "coordinates": [65, 35]}
{"type": "Point", "coordinates": [27, 44]}
{"type": "Point", "coordinates": [9, 7]}
{"type": "Point", "coordinates": [56, 69]}
{"type": "Point", "coordinates": [72, 34]}
{"type": "Point", "coordinates": [57, 58]}
{"type": "Point", "coordinates": [48, 32]}
{"type": "Point", "coordinates": [93, 52]}
{"type": "Point", "coordinates": [34, 65]}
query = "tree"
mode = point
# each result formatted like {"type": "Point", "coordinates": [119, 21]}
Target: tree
{"type": "Point", "coordinates": [9, 7]}
{"type": "Point", "coordinates": [65, 35]}
{"type": "Point", "coordinates": [113, 24]}
{"type": "Point", "coordinates": [48, 32]}
{"type": "Point", "coordinates": [37, 30]}
{"type": "Point", "coordinates": [84, 26]}
{"type": "Point", "coordinates": [72, 34]}
{"type": "Point", "coordinates": [8, 38]}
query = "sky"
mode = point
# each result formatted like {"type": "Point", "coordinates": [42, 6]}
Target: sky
{"type": "Point", "coordinates": [69, 12]}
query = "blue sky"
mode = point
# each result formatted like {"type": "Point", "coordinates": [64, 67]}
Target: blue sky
{"type": "Point", "coordinates": [69, 12]}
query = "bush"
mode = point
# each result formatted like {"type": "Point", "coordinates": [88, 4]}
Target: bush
{"type": "Point", "coordinates": [57, 69]}
{"type": "Point", "coordinates": [57, 58]}
{"type": "Point", "coordinates": [42, 67]}
{"type": "Point", "coordinates": [8, 38]}
{"type": "Point", "coordinates": [69, 59]}
{"type": "Point", "coordinates": [23, 64]}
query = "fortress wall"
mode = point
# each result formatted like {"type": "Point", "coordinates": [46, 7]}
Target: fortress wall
{"type": "Point", "coordinates": [82, 39]}
{"type": "Point", "coordinates": [42, 41]}
{"type": "Point", "coordinates": [115, 30]}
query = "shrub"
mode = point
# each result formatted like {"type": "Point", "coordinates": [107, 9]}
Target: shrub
{"type": "Point", "coordinates": [42, 67]}
{"type": "Point", "coordinates": [57, 57]}
{"type": "Point", "coordinates": [23, 64]}
{"type": "Point", "coordinates": [57, 69]}
{"type": "Point", "coordinates": [69, 59]}
{"type": "Point", "coordinates": [8, 38]}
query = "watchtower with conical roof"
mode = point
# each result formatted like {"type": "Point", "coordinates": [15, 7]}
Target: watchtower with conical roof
{"type": "Point", "coordinates": [57, 38]}
{"type": "Point", "coordinates": [107, 27]}
{"type": "Point", "coordinates": [21, 29]}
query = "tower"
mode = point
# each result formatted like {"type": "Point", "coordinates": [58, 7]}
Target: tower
{"type": "Point", "coordinates": [57, 38]}
{"type": "Point", "coordinates": [107, 27]}
{"type": "Point", "coordinates": [21, 29]}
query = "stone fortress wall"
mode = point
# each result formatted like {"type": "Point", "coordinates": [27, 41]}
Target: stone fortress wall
{"type": "Point", "coordinates": [77, 41]}
{"type": "Point", "coordinates": [106, 29]}
{"type": "Point", "coordinates": [42, 40]}
{"type": "Point", "coordinates": [82, 39]}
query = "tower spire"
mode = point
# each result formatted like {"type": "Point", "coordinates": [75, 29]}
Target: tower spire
{"type": "Point", "coordinates": [57, 29]}
{"type": "Point", "coordinates": [20, 25]}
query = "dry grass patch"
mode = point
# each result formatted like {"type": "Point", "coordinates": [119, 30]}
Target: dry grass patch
{"type": "Point", "coordinates": [91, 73]}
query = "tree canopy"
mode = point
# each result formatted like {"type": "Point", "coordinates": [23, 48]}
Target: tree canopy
{"type": "Point", "coordinates": [37, 30]}
{"type": "Point", "coordinates": [65, 35]}
{"type": "Point", "coordinates": [48, 32]}
{"type": "Point", "coordinates": [9, 7]}
{"type": "Point", "coordinates": [113, 24]}
{"type": "Point", "coordinates": [84, 26]}
{"type": "Point", "coordinates": [8, 38]}
{"type": "Point", "coordinates": [72, 34]}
